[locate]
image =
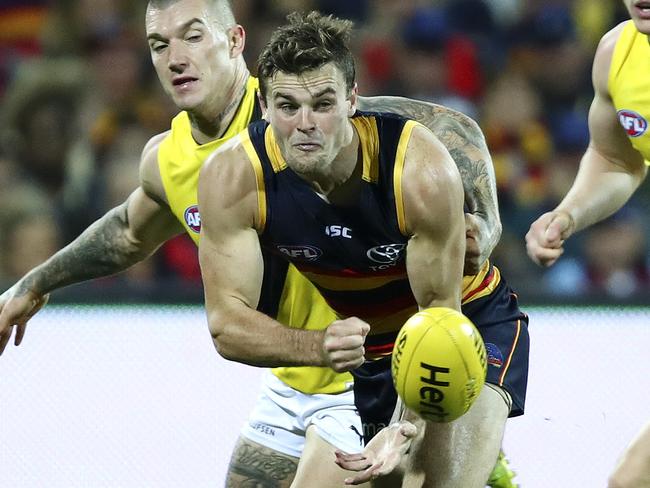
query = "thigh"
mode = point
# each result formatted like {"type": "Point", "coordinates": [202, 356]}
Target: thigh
{"type": "Point", "coordinates": [458, 453]}
{"type": "Point", "coordinates": [317, 468]}
{"type": "Point", "coordinates": [253, 465]}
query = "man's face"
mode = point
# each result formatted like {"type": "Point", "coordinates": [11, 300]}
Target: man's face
{"type": "Point", "coordinates": [640, 13]}
{"type": "Point", "coordinates": [309, 115]}
{"type": "Point", "coordinates": [191, 54]}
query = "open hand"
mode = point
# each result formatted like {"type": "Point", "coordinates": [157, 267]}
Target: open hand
{"type": "Point", "coordinates": [381, 456]}
{"type": "Point", "coordinates": [17, 307]}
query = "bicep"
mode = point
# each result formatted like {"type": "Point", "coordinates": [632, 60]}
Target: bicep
{"type": "Point", "coordinates": [608, 139]}
{"type": "Point", "coordinates": [229, 251]}
{"type": "Point", "coordinates": [433, 206]}
{"type": "Point", "coordinates": [231, 264]}
{"type": "Point", "coordinates": [149, 221]}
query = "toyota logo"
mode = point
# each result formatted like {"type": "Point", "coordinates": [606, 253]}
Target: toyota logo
{"type": "Point", "coordinates": [386, 254]}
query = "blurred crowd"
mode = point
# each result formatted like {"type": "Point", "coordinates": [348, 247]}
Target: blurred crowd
{"type": "Point", "coordinates": [79, 99]}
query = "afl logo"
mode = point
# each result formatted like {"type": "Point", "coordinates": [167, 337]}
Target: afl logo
{"type": "Point", "coordinates": [386, 254]}
{"type": "Point", "coordinates": [633, 123]}
{"type": "Point", "coordinates": [193, 218]}
{"type": "Point", "coordinates": [304, 253]}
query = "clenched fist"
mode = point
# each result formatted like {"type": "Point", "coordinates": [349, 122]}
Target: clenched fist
{"type": "Point", "coordinates": [546, 236]}
{"type": "Point", "coordinates": [343, 344]}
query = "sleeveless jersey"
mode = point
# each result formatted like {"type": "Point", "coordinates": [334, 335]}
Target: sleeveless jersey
{"type": "Point", "coordinates": [629, 86]}
{"type": "Point", "coordinates": [286, 294]}
{"type": "Point", "coordinates": [354, 255]}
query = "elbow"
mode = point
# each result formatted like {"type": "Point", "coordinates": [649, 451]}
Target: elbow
{"type": "Point", "coordinates": [222, 337]}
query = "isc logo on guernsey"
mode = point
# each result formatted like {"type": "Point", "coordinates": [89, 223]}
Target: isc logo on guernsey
{"type": "Point", "coordinates": [634, 124]}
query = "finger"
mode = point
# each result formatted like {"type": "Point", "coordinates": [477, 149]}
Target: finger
{"type": "Point", "coordinates": [368, 475]}
{"type": "Point", "coordinates": [351, 344]}
{"type": "Point", "coordinates": [343, 366]}
{"type": "Point", "coordinates": [544, 255]}
{"type": "Point", "coordinates": [20, 333]}
{"type": "Point", "coordinates": [358, 456]}
{"type": "Point", "coordinates": [4, 339]}
{"type": "Point", "coordinates": [553, 233]}
{"type": "Point", "coordinates": [365, 328]}
{"type": "Point", "coordinates": [360, 465]}
{"type": "Point", "coordinates": [408, 430]}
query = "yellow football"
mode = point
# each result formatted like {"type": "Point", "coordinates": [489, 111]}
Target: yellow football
{"type": "Point", "coordinates": [439, 364]}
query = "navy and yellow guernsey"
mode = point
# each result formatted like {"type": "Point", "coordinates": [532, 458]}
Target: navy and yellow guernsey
{"type": "Point", "coordinates": [629, 86]}
{"type": "Point", "coordinates": [354, 255]}
{"type": "Point", "coordinates": [286, 294]}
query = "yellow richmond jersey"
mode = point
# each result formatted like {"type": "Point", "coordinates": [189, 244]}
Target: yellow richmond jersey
{"type": "Point", "coordinates": [180, 158]}
{"type": "Point", "coordinates": [629, 86]}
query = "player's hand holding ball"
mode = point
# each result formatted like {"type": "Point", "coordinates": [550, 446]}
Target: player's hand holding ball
{"type": "Point", "coordinates": [439, 364]}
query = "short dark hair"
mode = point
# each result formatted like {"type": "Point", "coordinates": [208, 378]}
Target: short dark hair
{"type": "Point", "coordinates": [307, 42]}
{"type": "Point", "coordinates": [222, 10]}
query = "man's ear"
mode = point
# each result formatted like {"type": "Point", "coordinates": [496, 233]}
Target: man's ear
{"type": "Point", "coordinates": [262, 102]}
{"type": "Point", "coordinates": [236, 40]}
{"type": "Point", "coordinates": [352, 99]}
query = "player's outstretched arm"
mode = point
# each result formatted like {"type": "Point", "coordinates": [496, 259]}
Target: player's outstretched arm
{"type": "Point", "coordinates": [464, 140]}
{"type": "Point", "coordinates": [610, 171]}
{"type": "Point", "coordinates": [124, 236]}
{"type": "Point", "coordinates": [232, 268]}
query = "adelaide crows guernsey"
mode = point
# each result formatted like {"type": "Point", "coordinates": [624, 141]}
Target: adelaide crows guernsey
{"type": "Point", "coordinates": [286, 294]}
{"type": "Point", "coordinates": [629, 86]}
{"type": "Point", "coordinates": [354, 255]}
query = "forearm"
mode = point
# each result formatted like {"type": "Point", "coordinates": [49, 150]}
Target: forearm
{"type": "Point", "coordinates": [250, 337]}
{"type": "Point", "coordinates": [103, 249]}
{"type": "Point", "coordinates": [600, 189]}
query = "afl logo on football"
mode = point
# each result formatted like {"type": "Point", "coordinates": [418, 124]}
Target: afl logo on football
{"type": "Point", "coordinates": [193, 218]}
{"type": "Point", "coordinates": [633, 123]}
{"type": "Point", "coordinates": [386, 254]}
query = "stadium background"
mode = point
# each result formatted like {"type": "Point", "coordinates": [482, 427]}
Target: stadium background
{"type": "Point", "coordinates": [78, 100]}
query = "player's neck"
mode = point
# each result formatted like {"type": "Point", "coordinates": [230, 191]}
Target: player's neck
{"type": "Point", "coordinates": [340, 185]}
{"type": "Point", "coordinates": [212, 123]}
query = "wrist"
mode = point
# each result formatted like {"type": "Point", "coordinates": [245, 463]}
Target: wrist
{"type": "Point", "coordinates": [570, 227]}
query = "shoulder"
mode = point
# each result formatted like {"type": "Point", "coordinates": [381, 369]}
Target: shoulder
{"type": "Point", "coordinates": [227, 158]}
{"type": "Point", "coordinates": [443, 121]}
{"type": "Point", "coordinates": [150, 179]}
{"type": "Point", "coordinates": [603, 57]}
{"type": "Point", "coordinates": [228, 187]}
{"type": "Point", "coordinates": [229, 169]}
{"type": "Point", "coordinates": [427, 159]}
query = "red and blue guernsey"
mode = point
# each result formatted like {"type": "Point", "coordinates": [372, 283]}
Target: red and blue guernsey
{"type": "Point", "coordinates": [354, 254]}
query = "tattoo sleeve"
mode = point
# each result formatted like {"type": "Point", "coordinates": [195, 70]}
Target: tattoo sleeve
{"type": "Point", "coordinates": [465, 142]}
{"type": "Point", "coordinates": [102, 249]}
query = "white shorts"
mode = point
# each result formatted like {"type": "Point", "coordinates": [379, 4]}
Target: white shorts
{"type": "Point", "coordinates": [282, 415]}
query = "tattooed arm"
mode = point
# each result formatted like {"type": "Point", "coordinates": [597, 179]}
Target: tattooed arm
{"type": "Point", "coordinates": [465, 142]}
{"type": "Point", "coordinates": [124, 236]}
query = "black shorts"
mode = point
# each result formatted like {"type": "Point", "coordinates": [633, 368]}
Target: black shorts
{"type": "Point", "coordinates": [504, 329]}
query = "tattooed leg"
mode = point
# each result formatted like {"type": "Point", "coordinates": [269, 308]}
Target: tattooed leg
{"type": "Point", "coordinates": [255, 466]}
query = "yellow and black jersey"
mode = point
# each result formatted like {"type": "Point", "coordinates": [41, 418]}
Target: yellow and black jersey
{"type": "Point", "coordinates": [629, 86]}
